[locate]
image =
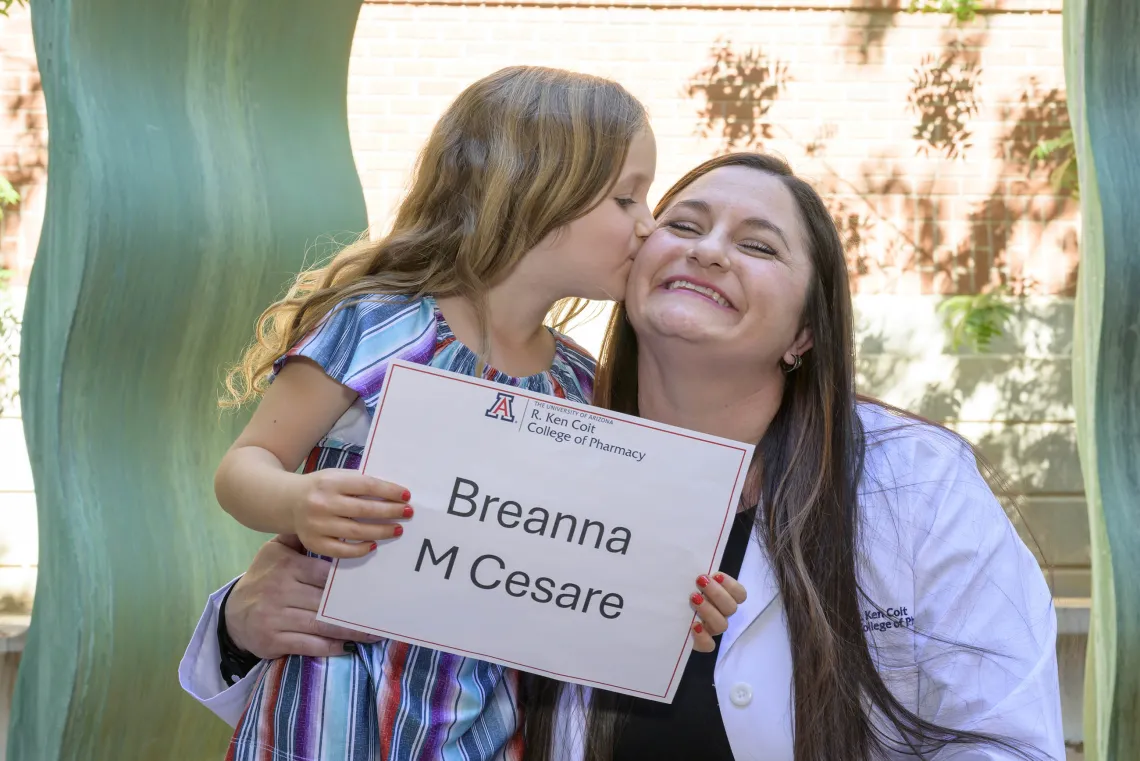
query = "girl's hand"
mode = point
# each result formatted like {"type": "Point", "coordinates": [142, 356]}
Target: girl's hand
{"type": "Point", "coordinates": [716, 599]}
{"type": "Point", "coordinates": [335, 513]}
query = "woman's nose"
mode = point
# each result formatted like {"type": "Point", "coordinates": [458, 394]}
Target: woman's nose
{"type": "Point", "coordinates": [709, 253]}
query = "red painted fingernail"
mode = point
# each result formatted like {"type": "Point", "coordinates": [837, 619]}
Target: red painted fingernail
{"type": "Point", "coordinates": [702, 581]}
{"type": "Point", "coordinates": [398, 531]}
{"type": "Point", "coordinates": [719, 578]}
{"type": "Point", "coordinates": [698, 628]}
{"type": "Point", "coordinates": [406, 495]}
{"type": "Point", "coordinates": [374, 546]}
{"type": "Point", "coordinates": [697, 599]}
{"type": "Point", "coordinates": [409, 511]}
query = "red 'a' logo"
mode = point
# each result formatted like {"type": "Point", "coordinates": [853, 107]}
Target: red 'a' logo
{"type": "Point", "coordinates": [503, 408]}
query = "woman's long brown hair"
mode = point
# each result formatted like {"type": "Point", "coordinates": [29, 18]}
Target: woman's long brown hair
{"type": "Point", "coordinates": [519, 154]}
{"type": "Point", "coordinates": [806, 472]}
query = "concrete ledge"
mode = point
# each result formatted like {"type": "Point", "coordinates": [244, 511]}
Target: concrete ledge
{"type": "Point", "coordinates": [1072, 615]}
{"type": "Point", "coordinates": [13, 637]}
{"type": "Point", "coordinates": [13, 633]}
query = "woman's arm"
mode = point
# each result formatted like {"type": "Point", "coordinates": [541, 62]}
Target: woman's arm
{"type": "Point", "coordinates": [271, 612]}
{"type": "Point", "coordinates": [257, 482]}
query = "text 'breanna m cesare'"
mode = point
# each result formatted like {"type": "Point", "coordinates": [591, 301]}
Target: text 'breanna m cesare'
{"type": "Point", "coordinates": [488, 571]}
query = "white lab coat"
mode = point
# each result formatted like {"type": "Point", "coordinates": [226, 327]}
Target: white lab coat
{"type": "Point", "coordinates": [937, 554]}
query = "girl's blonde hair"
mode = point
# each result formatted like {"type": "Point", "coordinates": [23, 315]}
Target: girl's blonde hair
{"type": "Point", "coordinates": [516, 156]}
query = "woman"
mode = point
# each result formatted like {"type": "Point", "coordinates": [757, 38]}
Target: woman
{"type": "Point", "coordinates": [891, 605]}
{"type": "Point", "coordinates": [892, 610]}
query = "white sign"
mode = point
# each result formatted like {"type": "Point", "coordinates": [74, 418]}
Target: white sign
{"type": "Point", "coordinates": [549, 536]}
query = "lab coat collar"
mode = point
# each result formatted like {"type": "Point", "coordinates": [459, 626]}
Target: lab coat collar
{"type": "Point", "coordinates": [760, 582]}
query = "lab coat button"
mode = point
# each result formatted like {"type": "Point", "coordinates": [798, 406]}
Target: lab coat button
{"type": "Point", "coordinates": [740, 695]}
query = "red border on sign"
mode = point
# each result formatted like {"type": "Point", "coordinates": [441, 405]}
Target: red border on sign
{"type": "Point", "coordinates": [552, 401]}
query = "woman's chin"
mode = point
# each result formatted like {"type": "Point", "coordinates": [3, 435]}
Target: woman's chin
{"type": "Point", "coordinates": [688, 325]}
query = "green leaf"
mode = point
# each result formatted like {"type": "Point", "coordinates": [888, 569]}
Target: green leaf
{"type": "Point", "coordinates": [5, 5]}
{"type": "Point", "coordinates": [962, 10]}
{"type": "Point", "coordinates": [976, 320]}
{"type": "Point", "coordinates": [1061, 152]}
{"type": "Point", "coordinates": [8, 194]}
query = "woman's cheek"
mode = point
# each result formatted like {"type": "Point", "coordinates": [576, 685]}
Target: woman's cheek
{"type": "Point", "coordinates": [655, 251]}
{"type": "Point", "coordinates": [639, 273]}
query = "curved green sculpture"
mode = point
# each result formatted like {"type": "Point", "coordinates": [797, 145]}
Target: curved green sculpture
{"type": "Point", "coordinates": [199, 149]}
{"type": "Point", "coordinates": [1103, 74]}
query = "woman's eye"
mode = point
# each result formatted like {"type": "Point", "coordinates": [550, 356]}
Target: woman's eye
{"type": "Point", "coordinates": [625, 202]}
{"type": "Point", "coordinates": [684, 226]}
{"type": "Point", "coordinates": [760, 248]}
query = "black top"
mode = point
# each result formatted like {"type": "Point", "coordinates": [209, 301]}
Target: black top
{"type": "Point", "coordinates": [690, 726]}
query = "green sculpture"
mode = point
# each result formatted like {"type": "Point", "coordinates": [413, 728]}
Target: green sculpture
{"type": "Point", "coordinates": [1103, 72]}
{"type": "Point", "coordinates": [199, 150]}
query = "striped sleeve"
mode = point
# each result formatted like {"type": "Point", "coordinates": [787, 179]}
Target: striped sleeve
{"type": "Point", "coordinates": [577, 369]}
{"type": "Point", "coordinates": [357, 341]}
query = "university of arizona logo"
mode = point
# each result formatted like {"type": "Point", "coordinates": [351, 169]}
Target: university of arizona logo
{"type": "Point", "coordinates": [503, 408]}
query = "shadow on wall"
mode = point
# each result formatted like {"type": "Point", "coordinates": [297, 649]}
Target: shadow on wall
{"type": "Point", "coordinates": [739, 89]}
{"type": "Point", "coordinates": [983, 259]}
{"type": "Point", "coordinates": [1017, 409]}
{"type": "Point", "coordinates": [1014, 402]}
{"type": "Point", "coordinates": [867, 31]}
{"type": "Point", "coordinates": [1025, 378]}
{"type": "Point", "coordinates": [944, 97]}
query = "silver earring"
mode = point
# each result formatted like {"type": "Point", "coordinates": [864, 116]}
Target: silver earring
{"type": "Point", "coordinates": [797, 360]}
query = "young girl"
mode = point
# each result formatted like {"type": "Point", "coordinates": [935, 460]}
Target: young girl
{"type": "Point", "coordinates": [531, 190]}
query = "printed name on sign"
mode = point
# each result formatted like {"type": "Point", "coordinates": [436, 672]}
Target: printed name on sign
{"type": "Point", "coordinates": [517, 583]}
{"type": "Point", "coordinates": [508, 514]}
{"type": "Point", "coordinates": [583, 528]}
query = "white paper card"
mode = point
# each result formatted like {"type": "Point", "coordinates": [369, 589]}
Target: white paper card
{"type": "Point", "coordinates": [549, 536]}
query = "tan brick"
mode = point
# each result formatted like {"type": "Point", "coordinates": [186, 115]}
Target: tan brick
{"type": "Point", "coordinates": [415, 69]}
{"type": "Point", "coordinates": [447, 88]}
{"type": "Point", "coordinates": [370, 104]}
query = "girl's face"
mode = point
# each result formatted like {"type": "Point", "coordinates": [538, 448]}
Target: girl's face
{"type": "Point", "coordinates": [591, 257]}
{"type": "Point", "coordinates": [728, 268]}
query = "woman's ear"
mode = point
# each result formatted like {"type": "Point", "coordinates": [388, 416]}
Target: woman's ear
{"type": "Point", "coordinates": [803, 342]}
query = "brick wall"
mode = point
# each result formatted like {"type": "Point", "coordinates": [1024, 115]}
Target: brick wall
{"type": "Point", "coordinates": [833, 79]}
{"type": "Point", "coordinates": [23, 143]}
{"type": "Point", "coordinates": [841, 88]}
{"type": "Point", "coordinates": [833, 86]}
{"type": "Point", "coordinates": [920, 131]}
{"type": "Point", "coordinates": [23, 161]}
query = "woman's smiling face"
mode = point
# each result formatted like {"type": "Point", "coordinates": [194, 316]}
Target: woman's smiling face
{"type": "Point", "coordinates": [727, 267]}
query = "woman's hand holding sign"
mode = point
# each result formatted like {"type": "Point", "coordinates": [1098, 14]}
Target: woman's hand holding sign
{"type": "Point", "coordinates": [718, 598]}
{"type": "Point", "coordinates": [336, 512]}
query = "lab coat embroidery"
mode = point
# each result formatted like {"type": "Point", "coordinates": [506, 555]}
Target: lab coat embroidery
{"type": "Point", "coordinates": [875, 620]}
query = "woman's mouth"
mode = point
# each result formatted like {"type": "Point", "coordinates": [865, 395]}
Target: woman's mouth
{"type": "Point", "coordinates": [713, 295]}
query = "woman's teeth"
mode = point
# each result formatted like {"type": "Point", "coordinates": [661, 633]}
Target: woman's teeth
{"type": "Point", "coordinates": [698, 289]}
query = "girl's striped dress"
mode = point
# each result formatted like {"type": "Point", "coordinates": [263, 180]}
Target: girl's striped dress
{"type": "Point", "coordinates": [391, 701]}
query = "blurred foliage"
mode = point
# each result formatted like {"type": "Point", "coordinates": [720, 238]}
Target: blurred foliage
{"type": "Point", "coordinates": [962, 10]}
{"type": "Point", "coordinates": [1061, 153]}
{"type": "Point", "coordinates": [976, 320]}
